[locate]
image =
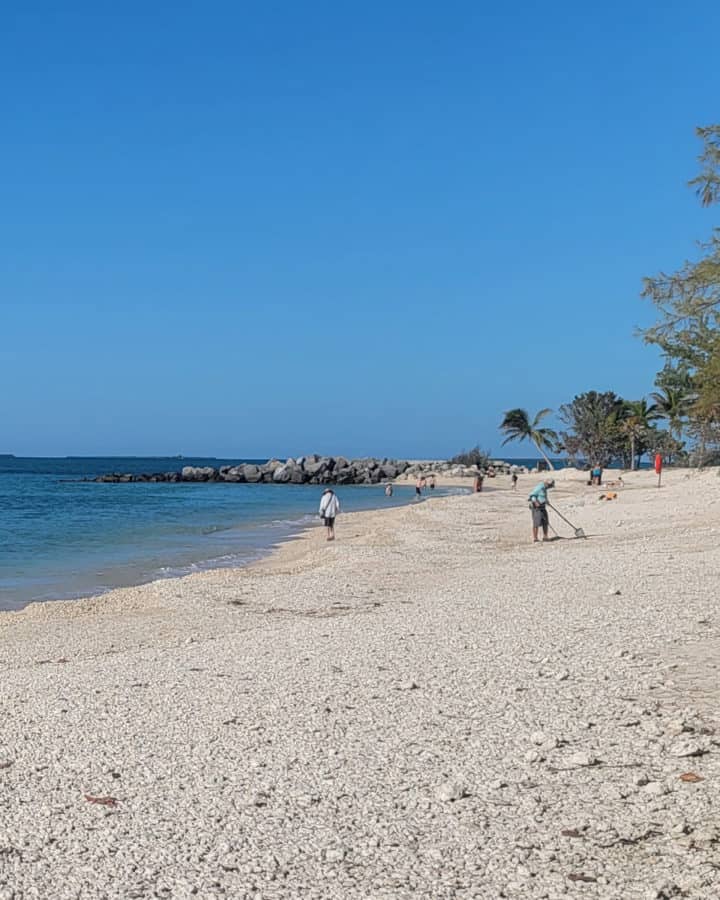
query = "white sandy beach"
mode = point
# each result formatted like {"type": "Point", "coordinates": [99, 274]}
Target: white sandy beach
{"type": "Point", "coordinates": [430, 707]}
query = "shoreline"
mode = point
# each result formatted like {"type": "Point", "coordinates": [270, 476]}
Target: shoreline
{"type": "Point", "coordinates": [242, 543]}
{"type": "Point", "coordinates": [430, 707]}
{"type": "Point", "coordinates": [296, 531]}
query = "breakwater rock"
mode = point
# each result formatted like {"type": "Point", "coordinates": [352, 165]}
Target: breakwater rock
{"type": "Point", "coordinates": [303, 470]}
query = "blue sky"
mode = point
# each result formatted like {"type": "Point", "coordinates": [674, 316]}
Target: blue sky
{"type": "Point", "coordinates": [249, 229]}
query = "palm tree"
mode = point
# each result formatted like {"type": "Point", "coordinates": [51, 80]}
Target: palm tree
{"type": "Point", "coordinates": [673, 405]}
{"type": "Point", "coordinates": [636, 422]}
{"type": "Point", "coordinates": [518, 427]}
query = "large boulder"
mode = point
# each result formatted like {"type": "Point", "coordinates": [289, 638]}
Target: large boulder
{"type": "Point", "coordinates": [199, 473]}
{"type": "Point", "coordinates": [232, 473]}
{"type": "Point", "coordinates": [314, 469]}
{"type": "Point", "coordinates": [282, 474]}
{"type": "Point", "coordinates": [270, 466]}
{"type": "Point", "coordinates": [252, 473]}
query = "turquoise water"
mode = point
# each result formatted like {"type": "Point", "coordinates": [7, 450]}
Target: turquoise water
{"type": "Point", "coordinates": [60, 538]}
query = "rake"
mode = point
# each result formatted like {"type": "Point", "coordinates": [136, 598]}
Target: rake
{"type": "Point", "coordinates": [579, 533]}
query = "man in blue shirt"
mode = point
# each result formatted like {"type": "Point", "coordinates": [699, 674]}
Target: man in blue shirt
{"type": "Point", "coordinates": [538, 507]}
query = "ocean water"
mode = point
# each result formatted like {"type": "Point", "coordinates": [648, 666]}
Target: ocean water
{"type": "Point", "coordinates": [60, 538]}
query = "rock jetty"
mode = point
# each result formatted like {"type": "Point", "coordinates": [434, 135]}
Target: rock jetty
{"type": "Point", "coordinates": [315, 469]}
{"type": "Point", "coordinates": [303, 470]}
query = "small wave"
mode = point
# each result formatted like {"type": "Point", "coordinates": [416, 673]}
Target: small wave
{"type": "Point", "coordinates": [289, 523]}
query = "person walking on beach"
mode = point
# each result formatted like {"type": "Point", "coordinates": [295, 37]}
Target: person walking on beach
{"type": "Point", "coordinates": [513, 478]}
{"type": "Point", "coordinates": [538, 507]}
{"type": "Point", "coordinates": [432, 482]}
{"type": "Point", "coordinates": [388, 490]}
{"type": "Point", "coordinates": [329, 508]}
{"type": "Point", "coordinates": [419, 485]}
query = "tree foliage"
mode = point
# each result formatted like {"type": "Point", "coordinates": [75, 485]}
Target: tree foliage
{"type": "Point", "coordinates": [518, 426]}
{"type": "Point", "coordinates": [688, 301]}
{"type": "Point", "coordinates": [673, 405]}
{"type": "Point", "coordinates": [473, 457]}
{"type": "Point", "coordinates": [635, 423]}
{"type": "Point", "coordinates": [707, 183]}
{"type": "Point", "coordinates": [593, 421]}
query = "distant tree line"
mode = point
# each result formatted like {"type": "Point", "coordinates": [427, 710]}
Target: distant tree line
{"type": "Point", "coordinates": [473, 457]}
{"type": "Point", "coordinates": [602, 428]}
{"type": "Point", "coordinates": [681, 419]}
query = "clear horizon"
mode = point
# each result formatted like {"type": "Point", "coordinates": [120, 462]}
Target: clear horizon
{"type": "Point", "coordinates": [360, 231]}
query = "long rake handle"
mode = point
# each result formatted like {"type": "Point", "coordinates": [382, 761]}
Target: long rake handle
{"type": "Point", "coordinates": [567, 521]}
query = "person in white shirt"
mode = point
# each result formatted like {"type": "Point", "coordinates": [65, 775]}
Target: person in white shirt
{"type": "Point", "coordinates": [329, 508]}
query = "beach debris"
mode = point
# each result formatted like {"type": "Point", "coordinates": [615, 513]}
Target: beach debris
{"type": "Point", "coordinates": [704, 838]}
{"type": "Point", "coordinates": [581, 876]}
{"type": "Point", "coordinates": [685, 748]}
{"type": "Point", "coordinates": [614, 592]}
{"type": "Point", "coordinates": [409, 685]}
{"type": "Point", "coordinates": [562, 676]}
{"type": "Point", "coordinates": [676, 727]}
{"type": "Point", "coordinates": [537, 738]}
{"type": "Point", "coordinates": [6, 763]}
{"type": "Point", "coordinates": [335, 854]}
{"type": "Point", "coordinates": [532, 756]}
{"type": "Point", "coordinates": [582, 759]}
{"type": "Point", "coordinates": [656, 789]}
{"type": "Point", "coordinates": [666, 891]}
{"type": "Point", "coordinates": [691, 777]}
{"type": "Point", "coordinates": [571, 833]}
{"type": "Point", "coordinates": [102, 801]}
{"type": "Point", "coordinates": [451, 790]}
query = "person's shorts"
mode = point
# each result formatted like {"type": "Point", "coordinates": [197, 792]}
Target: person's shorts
{"type": "Point", "coordinates": [418, 491]}
{"type": "Point", "coordinates": [539, 517]}
{"type": "Point", "coordinates": [328, 522]}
